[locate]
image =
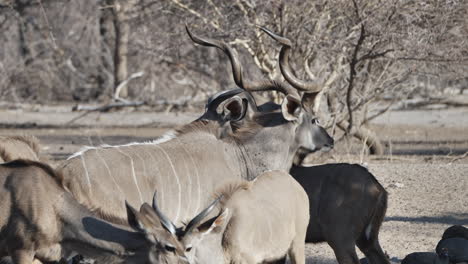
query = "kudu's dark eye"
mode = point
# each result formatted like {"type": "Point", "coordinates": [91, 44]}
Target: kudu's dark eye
{"type": "Point", "coordinates": [315, 121]}
{"type": "Point", "coordinates": [169, 248]}
{"type": "Point", "coordinates": [188, 249]}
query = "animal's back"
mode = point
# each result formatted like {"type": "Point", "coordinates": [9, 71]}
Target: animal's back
{"type": "Point", "coordinates": [270, 215]}
{"type": "Point", "coordinates": [183, 173]}
{"type": "Point", "coordinates": [340, 195]}
{"type": "Point", "coordinates": [30, 191]}
{"type": "Point", "coordinates": [19, 147]}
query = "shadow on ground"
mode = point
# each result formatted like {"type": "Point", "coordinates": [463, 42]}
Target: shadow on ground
{"type": "Point", "coordinates": [451, 219]}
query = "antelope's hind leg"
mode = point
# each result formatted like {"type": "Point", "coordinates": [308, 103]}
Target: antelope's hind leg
{"type": "Point", "coordinates": [297, 252]}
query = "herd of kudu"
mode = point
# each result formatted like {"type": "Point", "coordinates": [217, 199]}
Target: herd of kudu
{"type": "Point", "coordinates": [216, 190]}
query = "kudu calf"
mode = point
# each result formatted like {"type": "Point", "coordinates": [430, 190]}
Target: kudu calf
{"type": "Point", "coordinates": [187, 165]}
{"type": "Point", "coordinates": [40, 219]}
{"type": "Point", "coordinates": [347, 207]}
{"type": "Point", "coordinates": [260, 221]}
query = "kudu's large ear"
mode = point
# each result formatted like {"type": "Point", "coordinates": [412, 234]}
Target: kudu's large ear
{"type": "Point", "coordinates": [291, 108]}
{"type": "Point", "coordinates": [134, 218]}
{"type": "Point", "coordinates": [216, 224]}
{"type": "Point", "coordinates": [308, 101]}
{"type": "Point", "coordinates": [141, 221]}
{"type": "Point", "coordinates": [234, 109]}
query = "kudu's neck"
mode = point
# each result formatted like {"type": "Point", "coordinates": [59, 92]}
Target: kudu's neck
{"type": "Point", "coordinates": [272, 154]}
{"type": "Point", "coordinates": [87, 233]}
{"type": "Point", "coordinates": [249, 156]}
{"type": "Point", "coordinates": [216, 150]}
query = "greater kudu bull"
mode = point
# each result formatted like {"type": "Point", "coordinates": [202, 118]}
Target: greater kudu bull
{"type": "Point", "coordinates": [40, 219]}
{"type": "Point", "coordinates": [189, 163]}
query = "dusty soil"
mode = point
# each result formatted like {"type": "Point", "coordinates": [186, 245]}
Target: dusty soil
{"type": "Point", "coordinates": [425, 170]}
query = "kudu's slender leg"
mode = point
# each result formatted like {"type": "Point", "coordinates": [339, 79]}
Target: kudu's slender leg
{"type": "Point", "coordinates": [297, 251]}
{"type": "Point", "coordinates": [374, 253]}
{"type": "Point", "coordinates": [345, 253]}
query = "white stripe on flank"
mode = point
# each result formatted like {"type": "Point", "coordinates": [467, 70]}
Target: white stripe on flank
{"type": "Point", "coordinates": [188, 190]}
{"type": "Point", "coordinates": [164, 138]}
{"type": "Point", "coordinates": [198, 179]}
{"type": "Point", "coordinates": [160, 189]}
{"type": "Point", "coordinates": [110, 174]}
{"type": "Point", "coordinates": [86, 174]}
{"type": "Point", "coordinates": [144, 175]}
{"type": "Point", "coordinates": [178, 183]}
{"type": "Point", "coordinates": [133, 173]}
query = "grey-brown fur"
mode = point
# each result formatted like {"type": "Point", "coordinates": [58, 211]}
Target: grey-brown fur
{"type": "Point", "coordinates": [347, 208]}
{"type": "Point", "coordinates": [19, 147]}
{"type": "Point", "coordinates": [40, 219]}
{"type": "Point", "coordinates": [258, 222]}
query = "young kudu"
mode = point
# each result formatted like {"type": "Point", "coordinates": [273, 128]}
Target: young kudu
{"type": "Point", "coordinates": [260, 221]}
{"type": "Point", "coordinates": [198, 158]}
{"type": "Point", "coordinates": [40, 219]}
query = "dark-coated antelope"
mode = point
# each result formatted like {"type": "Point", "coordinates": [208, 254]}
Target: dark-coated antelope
{"type": "Point", "coordinates": [189, 163]}
{"type": "Point", "coordinates": [347, 208]}
{"type": "Point", "coordinates": [40, 219]}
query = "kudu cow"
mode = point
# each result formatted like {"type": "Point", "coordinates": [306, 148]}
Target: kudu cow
{"type": "Point", "coordinates": [347, 208]}
{"type": "Point", "coordinates": [259, 221]}
{"type": "Point", "coordinates": [189, 163]}
{"type": "Point", "coordinates": [40, 219]}
{"type": "Point", "coordinates": [19, 147]}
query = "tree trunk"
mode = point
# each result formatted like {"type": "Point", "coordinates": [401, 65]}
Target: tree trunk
{"type": "Point", "coordinates": [122, 34]}
{"type": "Point", "coordinates": [106, 77]}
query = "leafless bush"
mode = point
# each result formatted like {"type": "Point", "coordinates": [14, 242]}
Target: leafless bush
{"type": "Point", "coordinates": [362, 51]}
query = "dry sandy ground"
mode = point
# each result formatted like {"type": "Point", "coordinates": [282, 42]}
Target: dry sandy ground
{"type": "Point", "coordinates": [426, 174]}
